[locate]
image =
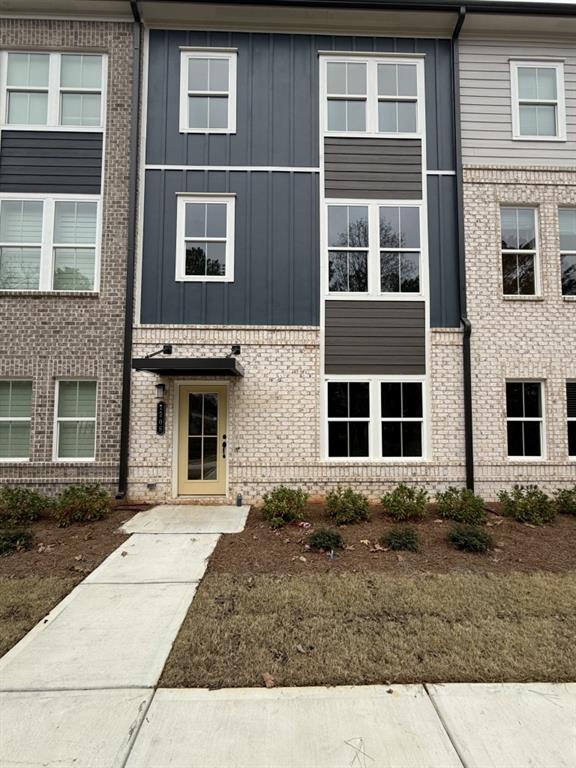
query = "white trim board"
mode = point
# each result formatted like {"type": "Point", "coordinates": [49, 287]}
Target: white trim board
{"type": "Point", "coordinates": [241, 168]}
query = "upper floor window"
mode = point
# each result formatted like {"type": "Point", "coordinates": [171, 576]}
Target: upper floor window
{"type": "Point", "coordinates": [567, 217]}
{"type": "Point", "coordinates": [205, 238]}
{"type": "Point", "coordinates": [538, 111]}
{"type": "Point", "coordinates": [52, 90]}
{"type": "Point", "coordinates": [374, 96]}
{"type": "Point", "coordinates": [374, 249]}
{"type": "Point", "coordinates": [48, 244]}
{"type": "Point", "coordinates": [208, 91]}
{"type": "Point", "coordinates": [519, 251]}
{"type": "Point", "coordinates": [15, 417]}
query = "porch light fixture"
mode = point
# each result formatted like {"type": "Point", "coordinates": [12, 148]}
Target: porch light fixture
{"type": "Point", "coordinates": [160, 390]}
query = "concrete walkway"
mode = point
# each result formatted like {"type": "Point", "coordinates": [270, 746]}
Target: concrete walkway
{"type": "Point", "coordinates": [79, 691]}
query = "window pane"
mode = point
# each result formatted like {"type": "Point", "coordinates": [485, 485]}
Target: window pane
{"type": "Point", "coordinates": [77, 399]}
{"type": "Point", "coordinates": [211, 414]}
{"type": "Point", "coordinates": [216, 259]}
{"type": "Point", "coordinates": [75, 222]}
{"type": "Point", "coordinates": [194, 458]}
{"type": "Point", "coordinates": [356, 78]}
{"type": "Point", "coordinates": [567, 219]}
{"type": "Point", "coordinates": [357, 272]}
{"type": "Point", "coordinates": [515, 438]}
{"type": "Point", "coordinates": [527, 83]}
{"type": "Point", "coordinates": [571, 399]}
{"type": "Point", "coordinates": [387, 83]}
{"type": "Point", "coordinates": [218, 112]}
{"type": "Point", "coordinates": [528, 120]}
{"type": "Point", "coordinates": [338, 399]}
{"type": "Point", "coordinates": [526, 228]}
{"type": "Point", "coordinates": [359, 399]}
{"type": "Point", "coordinates": [74, 269]}
{"type": "Point", "coordinates": [358, 226]}
{"type": "Point", "coordinates": [546, 120]}
{"type": "Point", "coordinates": [198, 112]}
{"type": "Point", "coordinates": [21, 221]}
{"type": "Point", "coordinates": [78, 71]}
{"type": "Point", "coordinates": [80, 109]}
{"type": "Point", "coordinates": [410, 272]}
{"type": "Point", "coordinates": [569, 275]}
{"type": "Point", "coordinates": [14, 440]}
{"type": "Point", "coordinates": [407, 80]}
{"type": "Point", "coordinates": [391, 399]}
{"type": "Point", "coordinates": [509, 228]}
{"type": "Point", "coordinates": [348, 271]}
{"type": "Point", "coordinates": [195, 220]}
{"type": "Point", "coordinates": [356, 115]}
{"type": "Point", "coordinates": [389, 272]}
{"type": "Point", "coordinates": [338, 438]}
{"type": "Point", "coordinates": [412, 400]}
{"type": "Point", "coordinates": [509, 274]}
{"type": "Point", "coordinates": [195, 422]}
{"type": "Point", "coordinates": [514, 399]}
{"type": "Point", "coordinates": [336, 77]}
{"type": "Point", "coordinates": [210, 463]}
{"type": "Point", "coordinates": [387, 117]}
{"type": "Point", "coordinates": [15, 399]}
{"type": "Point", "coordinates": [409, 227]}
{"type": "Point", "coordinates": [197, 74]}
{"type": "Point", "coordinates": [546, 83]}
{"type": "Point", "coordinates": [572, 438]}
{"type": "Point", "coordinates": [27, 108]}
{"type": "Point", "coordinates": [195, 258]}
{"type": "Point", "coordinates": [406, 117]}
{"type": "Point", "coordinates": [532, 445]}
{"type": "Point", "coordinates": [412, 438]}
{"type": "Point", "coordinates": [336, 115]}
{"type": "Point", "coordinates": [76, 440]}
{"type": "Point", "coordinates": [28, 69]}
{"type": "Point", "coordinates": [20, 269]}
{"type": "Point", "coordinates": [205, 259]}
{"type": "Point", "coordinates": [526, 275]}
{"type": "Point", "coordinates": [218, 75]}
{"type": "Point", "coordinates": [390, 228]}
{"type": "Point", "coordinates": [391, 438]}
{"type": "Point", "coordinates": [532, 399]}
{"type": "Point", "coordinates": [216, 220]}
{"type": "Point", "coordinates": [358, 436]}
{"type": "Point", "coordinates": [337, 225]}
{"type": "Point", "coordinates": [338, 271]}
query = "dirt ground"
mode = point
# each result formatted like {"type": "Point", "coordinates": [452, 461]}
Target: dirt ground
{"type": "Point", "coordinates": [518, 547]}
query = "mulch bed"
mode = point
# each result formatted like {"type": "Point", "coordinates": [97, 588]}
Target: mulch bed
{"type": "Point", "coordinates": [518, 547]}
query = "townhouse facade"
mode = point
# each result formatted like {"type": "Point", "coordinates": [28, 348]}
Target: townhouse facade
{"type": "Point", "coordinates": [354, 241]}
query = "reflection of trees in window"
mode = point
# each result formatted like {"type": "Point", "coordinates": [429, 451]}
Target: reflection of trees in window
{"type": "Point", "coordinates": [71, 279]}
{"type": "Point", "coordinates": [198, 262]}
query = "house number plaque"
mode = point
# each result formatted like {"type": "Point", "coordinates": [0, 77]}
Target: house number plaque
{"type": "Point", "coordinates": [160, 418]}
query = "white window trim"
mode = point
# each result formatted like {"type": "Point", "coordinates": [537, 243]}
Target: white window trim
{"type": "Point", "coordinates": [541, 419]}
{"type": "Point", "coordinates": [374, 249]}
{"type": "Point", "coordinates": [14, 459]}
{"type": "Point", "coordinates": [372, 98]}
{"type": "Point", "coordinates": [47, 245]}
{"type": "Point", "coordinates": [374, 431]}
{"type": "Point", "coordinates": [559, 102]}
{"type": "Point", "coordinates": [536, 253]}
{"type": "Point", "coordinates": [58, 419]}
{"type": "Point", "coordinates": [54, 90]}
{"type": "Point", "coordinates": [213, 53]}
{"type": "Point", "coordinates": [565, 252]}
{"type": "Point", "coordinates": [188, 197]}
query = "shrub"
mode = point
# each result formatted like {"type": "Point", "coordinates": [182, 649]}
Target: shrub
{"type": "Point", "coordinates": [284, 505]}
{"type": "Point", "coordinates": [462, 505]}
{"type": "Point", "coordinates": [347, 506]}
{"type": "Point", "coordinates": [469, 538]}
{"type": "Point", "coordinates": [325, 539]}
{"type": "Point", "coordinates": [14, 539]}
{"type": "Point", "coordinates": [21, 505]}
{"type": "Point", "coordinates": [82, 504]}
{"type": "Point", "coordinates": [565, 501]}
{"type": "Point", "coordinates": [527, 504]}
{"type": "Point", "coordinates": [403, 537]}
{"type": "Point", "coordinates": [405, 503]}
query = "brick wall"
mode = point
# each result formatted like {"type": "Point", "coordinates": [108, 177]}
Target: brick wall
{"type": "Point", "coordinates": [526, 338]}
{"type": "Point", "coordinates": [47, 336]}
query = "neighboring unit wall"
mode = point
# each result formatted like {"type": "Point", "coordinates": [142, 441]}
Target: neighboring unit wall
{"type": "Point", "coordinates": [49, 335]}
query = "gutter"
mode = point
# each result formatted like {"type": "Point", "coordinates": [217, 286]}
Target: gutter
{"type": "Point", "coordinates": [131, 255]}
{"type": "Point", "coordinates": [466, 324]}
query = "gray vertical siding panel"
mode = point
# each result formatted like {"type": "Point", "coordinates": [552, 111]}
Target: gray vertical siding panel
{"type": "Point", "coordinates": [443, 252]}
{"type": "Point", "coordinates": [276, 265]}
{"type": "Point", "coordinates": [380, 337]}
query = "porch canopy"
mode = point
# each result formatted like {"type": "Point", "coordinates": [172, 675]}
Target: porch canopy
{"type": "Point", "coordinates": [190, 366]}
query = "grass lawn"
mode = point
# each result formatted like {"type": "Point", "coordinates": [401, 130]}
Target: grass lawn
{"type": "Point", "coordinates": [374, 627]}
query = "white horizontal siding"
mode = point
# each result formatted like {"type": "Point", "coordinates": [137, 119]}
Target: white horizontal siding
{"type": "Point", "coordinates": [486, 109]}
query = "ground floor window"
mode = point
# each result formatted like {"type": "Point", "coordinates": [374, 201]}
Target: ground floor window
{"type": "Point", "coordinates": [75, 435]}
{"type": "Point", "coordinates": [525, 420]}
{"type": "Point", "coordinates": [375, 419]}
{"type": "Point", "coordinates": [15, 416]}
{"type": "Point", "coordinates": [571, 410]}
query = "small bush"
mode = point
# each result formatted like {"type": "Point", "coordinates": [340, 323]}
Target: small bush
{"type": "Point", "coordinates": [565, 501]}
{"type": "Point", "coordinates": [14, 539]}
{"type": "Point", "coordinates": [527, 504]}
{"type": "Point", "coordinates": [82, 504]}
{"type": "Point", "coordinates": [347, 506]}
{"type": "Point", "coordinates": [470, 538]}
{"type": "Point", "coordinates": [325, 539]}
{"type": "Point", "coordinates": [21, 505]}
{"type": "Point", "coordinates": [462, 505]}
{"type": "Point", "coordinates": [284, 505]}
{"type": "Point", "coordinates": [405, 503]}
{"type": "Point", "coordinates": [403, 537]}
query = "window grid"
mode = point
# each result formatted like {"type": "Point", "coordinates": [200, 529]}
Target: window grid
{"type": "Point", "coordinates": [348, 420]}
{"type": "Point", "coordinates": [519, 101]}
{"type": "Point", "coordinates": [11, 425]}
{"type": "Point", "coordinates": [567, 220]}
{"type": "Point", "coordinates": [401, 419]}
{"type": "Point", "coordinates": [77, 420]}
{"type": "Point", "coordinates": [571, 417]}
{"type": "Point", "coordinates": [524, 420]}
{"type": "Point", "coordinates": [525, 278]}
{"type": "Point", "coordinates": [186, 92]}
{"type": "Point", "coordinates": [181, 238]}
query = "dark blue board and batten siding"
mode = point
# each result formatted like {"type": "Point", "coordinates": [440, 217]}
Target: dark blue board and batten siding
{"type": "Point", "coordinates": [50, 162]}
{"type": "Point", "coordinates": [277, 264]}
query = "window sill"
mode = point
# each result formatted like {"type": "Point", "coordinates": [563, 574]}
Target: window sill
{"type": "Point", "coordinates": [5, 462]}
{"type": "Point", "coordinates": [53, 128]}
{"type": "Point", "coordinates": [557, 139]}
{"type": "Point", "coordinates": [522, 298]}
{"type": "Point", "coordinates": [569, 298]}
{"type": "Point", "coordinates": [45, 294]}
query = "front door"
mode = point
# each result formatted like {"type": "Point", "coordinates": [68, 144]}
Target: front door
{"type": "Point", "coordinates": [202, 441]}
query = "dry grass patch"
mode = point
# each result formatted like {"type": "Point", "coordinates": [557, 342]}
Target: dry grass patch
{"type": "Point", "coordinates": [362, 628]}
{"type": "Point", "coordinates": [24, 602]}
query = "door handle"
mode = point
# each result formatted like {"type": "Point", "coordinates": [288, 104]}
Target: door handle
{"type": "Point", "coordinates": [223, 446]}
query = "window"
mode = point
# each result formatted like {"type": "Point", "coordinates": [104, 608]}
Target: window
{"type": "Point", "coordinates": [205, 238]}
{"type": "Point", "coordinates": [519, 251]}
{"type": "Point", "coordinates": [208, 91]}
{"type": "Point", "coordinates": [75, 420]}
{"type": "Point", "coordinates": [538, 100]}
{"type": "Point", "coordinates": [374, 249]}
{"type": "Point", "coordinates": [402, 419]}
{"type": "Point", "coordinates": [48, 244]}
{"type": "Point", "coordinates": [571, 412]}
{"type": "Point", "coordinates": [567, 218]}
{"type": "Point", "coordinates": [15, 415]}
{"type": "Point", "coordinates": [374, 95]}
{"type": "Point", "coordinates": [53, 90]}
{"type": "Point", "coordinates": [525, 420]}
{"type": "Point", "coordinates": [348, 419]}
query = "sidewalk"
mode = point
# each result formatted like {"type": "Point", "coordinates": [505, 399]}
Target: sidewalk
{"type": "Point", "coordinates": [79, 690]}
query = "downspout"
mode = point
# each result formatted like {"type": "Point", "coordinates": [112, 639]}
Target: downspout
{"type": "Point", "coordinates": [131, 254]}
{"type": "Point", "coordinates": [466, 324]}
